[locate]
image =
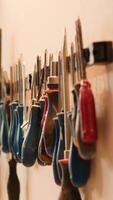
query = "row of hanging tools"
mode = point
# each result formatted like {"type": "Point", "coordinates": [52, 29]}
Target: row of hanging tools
{"type": "Point", "coordinates": [58, 127]}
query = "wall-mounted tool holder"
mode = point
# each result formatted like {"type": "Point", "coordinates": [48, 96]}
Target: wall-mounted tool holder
{"type": "Point", "coordinates": [51, 132]}
{"type": "Point", "coordinates": [99, 52]}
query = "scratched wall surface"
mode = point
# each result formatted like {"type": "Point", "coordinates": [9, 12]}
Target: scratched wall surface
{"type": "Point", "coordinates": [30, 26]}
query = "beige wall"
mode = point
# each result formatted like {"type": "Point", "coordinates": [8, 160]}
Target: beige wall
{"type": "Point", "coordinates": [30, 26]}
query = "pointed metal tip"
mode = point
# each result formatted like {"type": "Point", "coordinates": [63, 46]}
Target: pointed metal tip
{"type": "Point", "coordinates": [38, 58]}
{"type": "Point", "coordinates": [77, 21]}
{"type": "Point", "coordinates": [65, 37]}
{"type": "Point", "coordinates": [21, 57]}
{"type": "Point", "coordinates": [65, 44]}
{"type": "Point", "coordinates": [59, 54]}
{"type": "Point", "coordinates": [35, 67]}
{"type": "Point", "coordinates": [46, 51]}
{"type": "Point", "coordinates": [65, 32]}
{"type": "Point", "coordinates": [52, 56]}
{"type": "Point", "coordinates": [78, 18]}
{"type": "Point", "coordinates": [72, 45]}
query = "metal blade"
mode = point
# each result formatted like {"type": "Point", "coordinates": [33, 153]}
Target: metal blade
{"type": "Point", "coordinates": [66, 92]}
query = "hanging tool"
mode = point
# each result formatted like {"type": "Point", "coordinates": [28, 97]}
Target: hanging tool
{"type": "Point", "coordinates": [87, 104]}
{"type": "Point", "coordinates": [78, 167]}
{"type": "Point", "coordinates": [55, 163]}
{"type": "Point", "coordinates": [68, 191]}
{"type": "Point", "coordinates": [20, 111]}
{"type": "Point", "coordinates": [13, 182]}
{"type": "Point", "coordinates": [42, 157]}
{"type": "Point", "coordinates": [3, 112]}
{"type": "Point", "coordinates": [59, 140]}
{"type": "Point", "coordinates": [60, 114]}
{"type": "Point", "coordinates": [0, 64]}
{"type": "Point", "coordinates": [41, 102]}
{"type": "Point", "coordinates": [42, 153]}
{"type": "Point", "coordinates": [29, 146]}
{"type": "Point", "coordinates": [4, 117]}
{"type": "Point", "coordinates": [85, 151]}
{"type": "Point", "coordinates": [13, 185]}
{"type": "Point", "coordinates": [52, 93]}
{"type": "Point", "coordinates": [13, 105]}
{"type": "Point", "coordinates": [15, 115]}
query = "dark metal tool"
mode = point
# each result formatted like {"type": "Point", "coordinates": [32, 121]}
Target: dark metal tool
{"type": "Point", "coordinates": [30, 143]}
{"type": "Point", "coordinates": [68, 191]}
